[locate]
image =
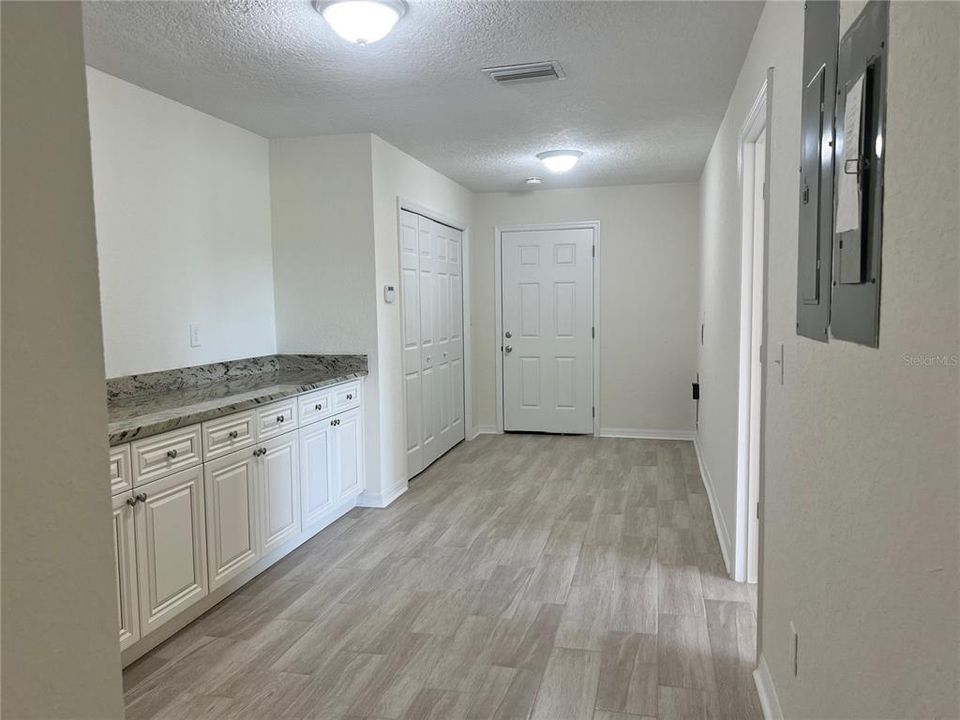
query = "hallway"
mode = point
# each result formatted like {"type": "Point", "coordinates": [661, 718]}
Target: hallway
{"type": "Point", "coordinates": [520, 576]}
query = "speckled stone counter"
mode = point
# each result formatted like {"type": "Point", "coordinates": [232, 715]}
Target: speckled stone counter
{"type": "Point", "coordinates": [142, 405]}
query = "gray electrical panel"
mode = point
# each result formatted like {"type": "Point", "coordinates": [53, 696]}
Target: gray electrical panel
{"type": "Point", "coordinates": [858, 177]}
{"type": "Point", "coordinates": [821, 32]}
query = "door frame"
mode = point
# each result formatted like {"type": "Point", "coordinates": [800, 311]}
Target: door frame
{"type": "Point", "coordinates": [750, 433]}
{"type": "Point", "coordinates": [594, 226]}
{"type": "Point", "coordinates": [465, 311]}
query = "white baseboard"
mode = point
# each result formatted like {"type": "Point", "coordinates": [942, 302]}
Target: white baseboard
{"type": "Point", "coordinates": [769, 702]}
{"type": "Point", "coordinates": [382, 500]}
{"type": "Point", "coordinates": [473, 434]}
{"type": "Point", "coordinates": [726, 548]}
{"type": "Point", "coordinates": [488, 430]}
{"type": "Point", "coordinates": [647, 434]}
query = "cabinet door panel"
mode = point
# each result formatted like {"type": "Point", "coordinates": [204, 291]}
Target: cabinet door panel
{"type": "Point", "coordinates": [171, 547]}
{"type": "Point", "coordinates": [316, 454]}
{"type": "Point", "coordinates": [348, 474]}
{"type": "Point", "coordinates": [124, 555]}
{"type": "Point", "coordinates": [279, 491]}
{"type": "Point", "coordinates": [230, 494]}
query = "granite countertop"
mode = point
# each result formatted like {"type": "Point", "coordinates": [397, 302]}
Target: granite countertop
{"type": "Point", "coordinates": [142, 405]}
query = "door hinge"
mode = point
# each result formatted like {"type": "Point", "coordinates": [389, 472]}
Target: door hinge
{"type": "Point", "coordinates": [593, 332]}
{"type": "Point", "coordinates": [758, 511]}
{"type": "Point", "coordinates": [763, 191]}
{"type": "Point", "coordinates": [593, 251]}
{"type": "Point", "coordinates": [593, 412]}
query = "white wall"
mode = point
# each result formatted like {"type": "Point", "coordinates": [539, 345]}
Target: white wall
{"type": "Point", "coordinates": [648, 297]}
{"type": "Point", "coordinates": [323, 256]}
{"type": "Point", "coordinates": [183, 231]}
{"type": "Point", "coordinates": [396, 174]}
{"type": "Point", "coordinates": [60, 654]}
{"type": "Point", "coordinates": [860, 538]}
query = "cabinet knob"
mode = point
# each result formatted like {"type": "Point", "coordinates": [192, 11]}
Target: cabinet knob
{"type": "Point", "coordinates": [233, 434]}
{"type": "Point", "coordinates": [279, 418]}
{"type": "Point", "coordinates": [318, 406]}
{"type": "Point", "coordinates": [349, 396]}
{"type": "Point", "coordinates": [172, 453]}
{"type": "Point", "coordinates": [140, 497]}
{"type": "Point", "coordinates": [131, 501]}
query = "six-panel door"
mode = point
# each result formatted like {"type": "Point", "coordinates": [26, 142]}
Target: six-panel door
{"type": "Point", "coordinates": [171, 546]}
{"type": "Point", "coordinates": [279, 491]}
{"type": "Point", "coordinates": [230, 494]}
{"type": "Point", "coordinates": [124, 555]}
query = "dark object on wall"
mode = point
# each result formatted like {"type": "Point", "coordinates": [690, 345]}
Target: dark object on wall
{"type": "Point", "coordinates": [696, 391]}
{"type": "Point", "coordinates": [821, 32]}
{"type": "Point", "coordinates": [860, 122]}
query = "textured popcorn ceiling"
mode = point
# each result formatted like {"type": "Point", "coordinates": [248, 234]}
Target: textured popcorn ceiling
{"type": "Point", "coordinates": [647, 82]}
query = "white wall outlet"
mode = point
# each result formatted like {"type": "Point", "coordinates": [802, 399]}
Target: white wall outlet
{"type": "Point", "coordinates": [389, 293]}
{"type": "Point", "coordinates": [194, 335]}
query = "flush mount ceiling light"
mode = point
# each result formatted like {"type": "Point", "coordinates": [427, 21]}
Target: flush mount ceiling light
{"type": "Point", "coordinates": [559, 161]}
{"type": "Point", "coordinates": [361, 21]}
{"type": "Point", "coordinates": [533, 180]}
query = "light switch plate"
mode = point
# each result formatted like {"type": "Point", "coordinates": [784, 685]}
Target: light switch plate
{"type": "Point", "coordinates": [389, 293]}
{"type": "Point", "coordinates": [194, 335]}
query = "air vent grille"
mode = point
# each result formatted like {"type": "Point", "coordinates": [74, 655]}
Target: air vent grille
{"type": "Point", "coordinates": [527, 72]}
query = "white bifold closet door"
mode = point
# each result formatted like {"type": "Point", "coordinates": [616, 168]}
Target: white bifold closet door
{"type": "Point", "coordinates": [431, 290]}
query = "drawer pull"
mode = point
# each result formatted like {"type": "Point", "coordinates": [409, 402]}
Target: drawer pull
{"type": "Point", "coordinates": [172, 453]}
{"type": "Point", "coordinates": [279, 418]}
{"type": "Point", "coordinates": [131, 501]}
{"type": "Point", "coordinates": [140, 497]}
{"type": "Point", "coordinates": [349, 396]}
{"type": "Point", "coordinates": [233, 434]}
{"type": "Point", "coordinates": [318, 406]}
{"type": "Point", "coordinates": [259, 451]}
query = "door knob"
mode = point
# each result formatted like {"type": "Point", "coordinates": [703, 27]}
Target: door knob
{"type": "Point", "coordinates": [508, 334]}
{"type": "Point", "coordinates": [508, 349]}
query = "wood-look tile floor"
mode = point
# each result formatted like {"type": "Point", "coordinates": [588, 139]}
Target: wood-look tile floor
{"type": "Point", "coordinates": [522, 576]}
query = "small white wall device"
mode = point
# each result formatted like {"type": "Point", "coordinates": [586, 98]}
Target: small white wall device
{"type": "Point", "coordinates": [389, 293]}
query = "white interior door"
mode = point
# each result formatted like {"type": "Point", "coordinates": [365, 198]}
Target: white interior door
{"type": "Point", "coordinates": [547, 355]}
{"type": "Point", "coordinates": [432, 308]}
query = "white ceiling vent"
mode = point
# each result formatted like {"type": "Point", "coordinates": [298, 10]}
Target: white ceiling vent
{"type": "Point", "coordinates": [527, 72]}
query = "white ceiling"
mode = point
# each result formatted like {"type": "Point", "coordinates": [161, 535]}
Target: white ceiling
{"type": "Point", "coordinates": [647, 82]}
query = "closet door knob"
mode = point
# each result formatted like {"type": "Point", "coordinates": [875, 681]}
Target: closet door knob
{"type": "Point", "coordinates": [131, 501]}
{"type": "Point", "coordinates": [140, 497]}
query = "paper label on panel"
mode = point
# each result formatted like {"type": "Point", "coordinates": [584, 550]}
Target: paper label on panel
{"type": "Point", "coordinates": [848, 187]}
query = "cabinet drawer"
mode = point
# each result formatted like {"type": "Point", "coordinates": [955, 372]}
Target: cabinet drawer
{"type": "Point", "coordinates": [158, 456]}
{"type": "Point", "coordinates": [346, 396]}
{"type": "Point", "coordinates": [120, 477]}
{"type": "Point", "coordinates": [276, 419]}
{"type": "Point", "coordinates": [226, 434]}
{"type": "Point", "coordinates": [315, 406]}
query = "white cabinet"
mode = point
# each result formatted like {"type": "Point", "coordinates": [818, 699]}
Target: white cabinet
{"type": "Point", "coordinates": [279, 491]}
{"type": "Point", "coordinates": [124, 555]}
{"type": "Point", "coordinates": [230, 492]}
{"type": "Point", "coordinates": [347, 462]}
{"type": "Point", "coordinates": [171, 546]}
{"type": "Point", "coordinates": [316, 453]}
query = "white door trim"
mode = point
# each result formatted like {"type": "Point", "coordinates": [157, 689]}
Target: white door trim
{"type": "Point", "coordinates": [463, 227]}
{"type": "Point", "coordinates": [754, 125]}
{"type": "Point", "coordinates": [498, 231]}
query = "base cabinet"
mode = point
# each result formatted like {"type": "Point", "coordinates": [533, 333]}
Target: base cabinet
{"type": "Point", "coordinates": [182, 536]}
{"type": "Point", "coordinates": [346, 456]}
{"type": "Point", "coordinates": [230, 492]}
{"type": "Point", "coordinates": [316, 454]}
{"type": "Point", "coordinates": [171, 546]}
{"type": "Point", "coordinates": [124, 555]}
{"type": "Point", "coordinates": [279, 491]}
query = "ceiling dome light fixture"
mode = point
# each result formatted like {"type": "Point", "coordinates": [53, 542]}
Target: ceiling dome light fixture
{"type": "Point", "coordinates": [361, 21]}
{"type": "Point", "coordinates": [534, 180]}
{"type": "Point", "coordinates": [559, 161]}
